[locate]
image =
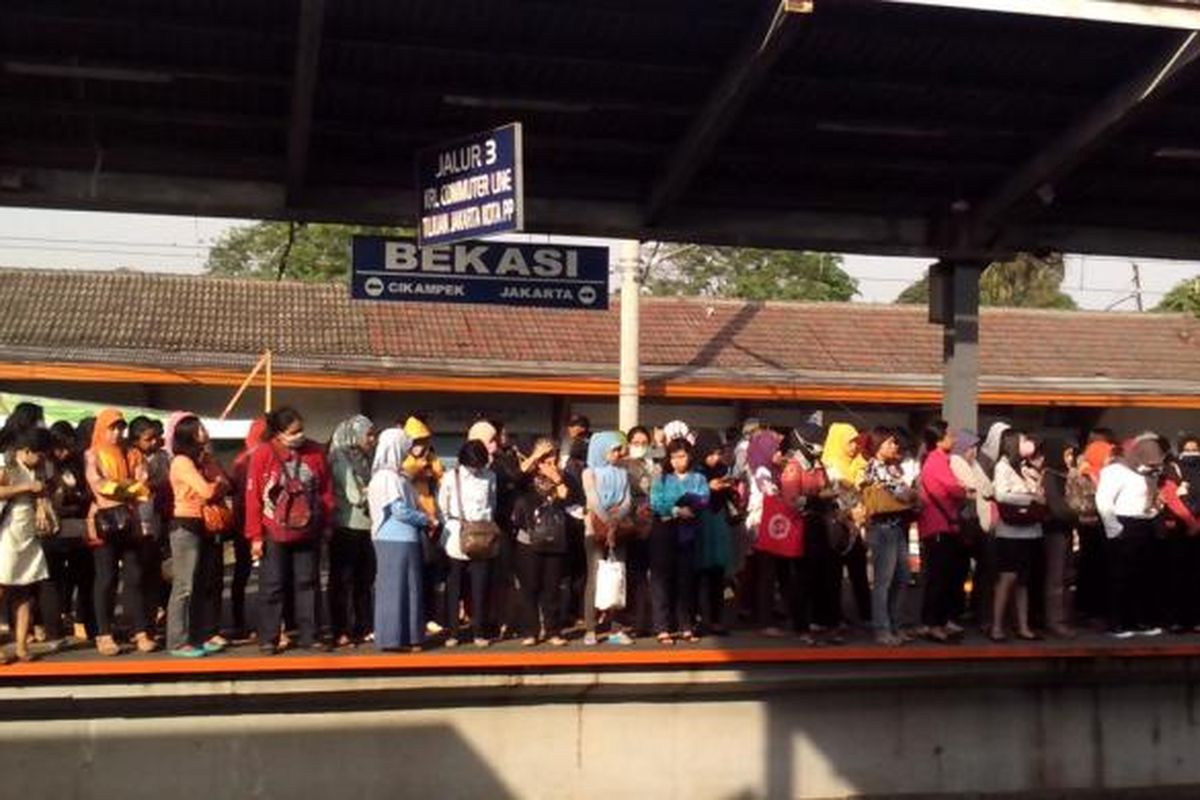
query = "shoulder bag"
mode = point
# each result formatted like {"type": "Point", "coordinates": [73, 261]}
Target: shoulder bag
{"type": "Point", "coordinates": [479, 539]}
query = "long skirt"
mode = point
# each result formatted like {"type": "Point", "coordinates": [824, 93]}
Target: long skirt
{"type": "Point", "coordinates": [399, 612]}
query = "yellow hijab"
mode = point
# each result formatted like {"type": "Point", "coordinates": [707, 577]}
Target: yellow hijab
{"type": "Point", "coordinates": [836, 453]}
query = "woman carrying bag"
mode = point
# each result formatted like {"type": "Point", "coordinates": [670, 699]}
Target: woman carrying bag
{"type": "Point", "coordinates": [606, 487]}
{"type": "Point", "coordinates": [540, 520]}
{"type": "Point", "coordinates": [467, 498]}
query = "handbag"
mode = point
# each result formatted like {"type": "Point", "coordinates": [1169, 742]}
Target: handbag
{"type": "Point", "coordinates": [113, 523]}
{"type": "Point", "coordinates": [610, 583]}
{"type": "Point", "coordinates": [781, 530]}
{"type": "Point", "coordinates": [1032, 514]}
{"type": "Point", "coordinates": [880, 502]}
{"type": "Point", "coordinates": [217, 517]}
{"type": "Point", "coordinates": [479, 539]}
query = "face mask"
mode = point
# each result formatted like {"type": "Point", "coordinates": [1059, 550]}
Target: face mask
{"type": "Point", "coordinates": [292, 440]}
{"type": "Point", "coordinates": [638, 451]}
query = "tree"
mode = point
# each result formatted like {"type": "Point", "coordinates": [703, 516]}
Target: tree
{"type": "Point", "coordinates": [744, 273]}
{"type": "Point", "coordinates": [1026, 281]}
{"type": "Point", "coordinates": [1183, 297]}
{"type": "Point", "coordinates": [301, 251]}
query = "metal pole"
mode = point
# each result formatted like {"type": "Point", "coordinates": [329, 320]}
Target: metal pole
{"type": "Point", "coordinates": [627, 263]}
{"type": "Point", "coordinates": [960, 376]}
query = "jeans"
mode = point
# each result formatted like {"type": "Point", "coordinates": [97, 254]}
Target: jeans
{"type": "Point", "coordinates": [539, 575]}
{"type": "Point", "coordinates": [479, 574]}
{"type": "Point", "coordinates": [284, 564]}
{"type": "Point", "coordinates": [888, 541]}
{"type": "Point", "coordinates": [351, 580]}
{"type": "Point", "coordinates": [125, 553]}
{"type": "Point", "coordinates": [189, 609]}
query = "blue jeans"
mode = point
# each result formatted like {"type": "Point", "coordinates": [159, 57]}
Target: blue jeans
{"type": "Point", "coordinates": [888, 541]}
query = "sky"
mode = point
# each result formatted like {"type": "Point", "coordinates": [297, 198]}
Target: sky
{"type": "Point", "coordinates": [96, 240]}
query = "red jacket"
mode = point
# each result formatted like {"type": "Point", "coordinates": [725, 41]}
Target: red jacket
{"type": "Point", "coordinates": [265, 473]}
{"type": "Point", "coordinates": [941, 497]}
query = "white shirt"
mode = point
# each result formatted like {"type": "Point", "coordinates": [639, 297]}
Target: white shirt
{"type": "Point", "coordinates": [1122, 492]}
{"type": "Point", "coordinates": [478, 504]}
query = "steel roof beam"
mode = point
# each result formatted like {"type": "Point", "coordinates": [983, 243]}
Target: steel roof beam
{"type": "Point", "coordinates": [768, 40]}
{"type": "Point", "coordinates": [1152, 13]}
{"type": "Point", "coordinates": [1096, 127]}
{"type": "Point", "coordinates": [304, 86]}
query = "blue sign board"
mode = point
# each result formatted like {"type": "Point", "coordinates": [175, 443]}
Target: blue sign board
{"type": "Point", "coordinates": [471, 187]}
{"type": "Point", "coordinates": [497, 273]}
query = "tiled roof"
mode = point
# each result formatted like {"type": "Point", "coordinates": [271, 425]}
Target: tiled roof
{"type": "Point", "coordinates": [63, 315]}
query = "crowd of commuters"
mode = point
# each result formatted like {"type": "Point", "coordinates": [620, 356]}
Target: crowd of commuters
{"type": "Point", "coordinates": [670, 533]}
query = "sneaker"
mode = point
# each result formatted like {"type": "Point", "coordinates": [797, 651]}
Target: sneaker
{"type": "Point", "coordinates": [557, 641]}
{"type": "Point", "coordinates": [213, 646]}
{"type": "Point", "coordinates": [590, 639]}
{"type": "Point", "coordinates": [1121, 634]}
{"type": "Point", "coordinates": [481, 642]}
{"type": "Point", "coordinates": [451, 642]}
{"type": "Point", "coordinates": [620, 638]}
{"type": "Point", "coordinates": [187, 651]}
{"type": "Point", "coordinates": [1151, 632]}
{"type": "Point", "coordinates": [529, 641]}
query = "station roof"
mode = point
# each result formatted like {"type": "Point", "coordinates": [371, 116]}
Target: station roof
{"type": "Point", "coordinates": [886, 126]}
{"type": "Point", "coordinates": [99, 327]}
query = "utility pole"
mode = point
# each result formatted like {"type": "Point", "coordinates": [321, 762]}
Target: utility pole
{"type": "Point", "coordinates": [628, 252]}
{"type": "Point", "coordinates": [1137, 286]}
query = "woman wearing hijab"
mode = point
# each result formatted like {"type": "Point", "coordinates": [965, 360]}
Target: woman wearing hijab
{"type": "Point", "coordinates": [351, 556]}
{"type": "Point", "coordinates": [678, 498]}
{"type": "Point", "coordinates": [977, 525]}
{"type": "Point", "coordinates": [113, 532]}
{"type": "Point", "coordinates": [606, 487]}
{"type": "Point", "coordinates": [989, 452]}
{"type": "Point", "coordinates": [397, 526]}
{"type": "Point", "coordinates": [842, 456]}
{"type": "Point", "coordinates": [764, 461]}
{"type": "Point", "coordinates": [845, 468]}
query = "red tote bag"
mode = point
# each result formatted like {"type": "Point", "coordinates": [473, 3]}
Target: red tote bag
{"type": "Point", "coordinates": [781, 531]}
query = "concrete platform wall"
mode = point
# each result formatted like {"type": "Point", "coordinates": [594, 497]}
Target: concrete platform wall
{"type": "Point", "coordinates": [517, 740]}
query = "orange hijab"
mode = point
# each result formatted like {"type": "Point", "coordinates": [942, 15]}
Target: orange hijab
{"type": "Point", "coordinates": [109, 457]}
{"type": "Point", "coordinates": [1095, 457]}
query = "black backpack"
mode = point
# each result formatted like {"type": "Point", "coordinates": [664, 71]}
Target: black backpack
{"type": "Point", "coordinates": [548, 528]}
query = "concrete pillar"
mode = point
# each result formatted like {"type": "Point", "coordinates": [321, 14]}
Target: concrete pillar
{"type": "Point", "coordinates": [954, 301]}
{"type": "Point", "coordinates": [627, 263]}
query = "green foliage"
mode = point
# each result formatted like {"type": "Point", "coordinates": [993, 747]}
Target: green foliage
{"type": "Point", "coordinates": [1024, 282]}
{"type": "Point", "coordinates": [317, 252]}
{"type": "Point", "coordinates": [1184, 297]}
{"type": "Point", "coordinates": [751, 274]}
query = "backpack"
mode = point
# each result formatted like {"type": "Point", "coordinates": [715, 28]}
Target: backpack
{"type": "Point", "coordinates": [548, 528]}
{"type": "Point", "coordinates": [295, 505]}
{"type": "Point", "coordinates": [1081, 498]}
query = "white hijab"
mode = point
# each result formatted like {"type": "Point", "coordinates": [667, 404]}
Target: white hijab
{"type": "Point", "coordinates": [388, 482]}
{"type": "Point", "coordinates": [991, 445]}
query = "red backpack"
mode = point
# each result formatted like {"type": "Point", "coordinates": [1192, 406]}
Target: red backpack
{"type": "Point", "coordinates": [293, 499]}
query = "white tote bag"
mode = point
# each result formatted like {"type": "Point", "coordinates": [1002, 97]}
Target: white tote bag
{"type": "Point", "coordinates": [610, 584]}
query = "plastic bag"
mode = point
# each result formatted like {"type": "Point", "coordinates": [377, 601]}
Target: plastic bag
{"type": "Point", "coordinates": [610, 584]}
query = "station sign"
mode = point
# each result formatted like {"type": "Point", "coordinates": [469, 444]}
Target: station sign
{"type": "Point", "coordinates": [495, 273]}
{"type": "Point", "coordinates": [471, 187]}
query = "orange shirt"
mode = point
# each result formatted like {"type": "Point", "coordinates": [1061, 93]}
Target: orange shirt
{"type": "Point", "coordinates": [190, 488]}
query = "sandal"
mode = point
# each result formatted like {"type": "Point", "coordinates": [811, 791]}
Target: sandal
{"type": "Point", "coordinates": [997, 637]}
{"type": "Point", "coordinates": [145, 644]}
{"type": "Point", "coordinates": [107, 646]}
{"type": "Point", "coordinates": [1029, 637]}
{"type": "Point", "coordinates": [665, 639]}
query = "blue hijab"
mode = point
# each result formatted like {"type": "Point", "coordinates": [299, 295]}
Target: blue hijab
{"type": "Point", "coordinates": [612, 482]}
